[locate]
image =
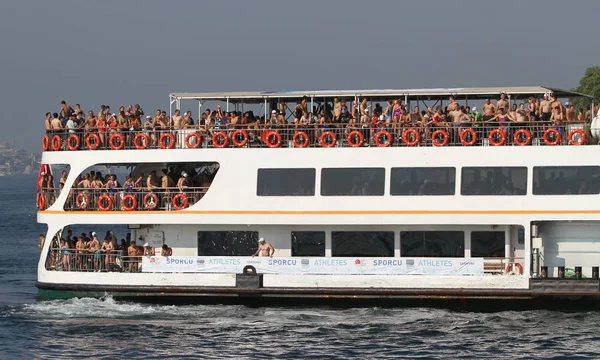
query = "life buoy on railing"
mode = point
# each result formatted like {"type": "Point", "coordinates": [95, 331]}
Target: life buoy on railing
{"type": "Point", "coordinates": [162, 141]}
{"type": "Point", "coordinates": [327, 135]}
{"type": "Point", "coordinates": [41, 201]}
{"type": "Point", "coordinates": [273, 139]}
{"type": "Point", "coordinates": [383, 134]}
{"type": "Point", "coordinates": [92, 145]}
{"type": "Point", "coordinates": [303, 135]}
{"type": "Point", "coordinates": [435, 135]}
{"type": "Point", "coordinates": [132, 202]}
{"type": "Point", "coordinates": [236, 134]}
{"type": "Point", "coordinates": [82, 200]}
{"type": "Point", "coordinates": [463, 137]}
{"type": "Point", "coordinates": [582, 137]}
{"type": "Point", "coordinates": [220, 140]}
{"type": "Point", "coordinates": [45, 143]}
{"type": "Point", "coordinates": [356, 135]}
{"type": "Point", "coordinates": [184, 201]}
{"type": "Point", "coordinates": [56, 143]}
{"type": "Point", "coordinates": [547, 136]}
{"type": "Point", "coordinates": [141, 141]}
{"type": "Point", "coordinates": [509, 268]}
{"type": "Point", "coordinates": [151, 201]}
{"type": "Point", "coordinates": [73, 146]}
{"type": "Point", "coordinates": [102, 199]}
{"type": "Point", "coordinates": [406, 135]}
{"type": "Point", "coordinates": [520, 134]}
{"type": "Point", "coordinates": [193, 145]}
{"type": "Point", "coordinates": [113, 144]}
{"type": "Point", "coordinates": [492, 137]}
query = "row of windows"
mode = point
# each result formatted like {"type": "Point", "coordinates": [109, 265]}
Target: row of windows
{"type": "Point", "coordinates": [547, 180]}
{"type": "Point", "coordinates": [359, 243]}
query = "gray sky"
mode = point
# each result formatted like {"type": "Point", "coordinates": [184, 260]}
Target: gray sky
{"type": "Point", "coordinates": [121, 52]}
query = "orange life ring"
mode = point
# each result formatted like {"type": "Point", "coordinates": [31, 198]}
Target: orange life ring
{"type": "Point", "coordinates": [220, 135]}
{"type": "Point", "coordinates": [547, 137]}
{"type": "Point", "coordinates": [45, 143]}
{"type": "Point", "coordinates": [270, 136]}
{"type": "Point", "coordinates": [388, 137]}
{"type": "Point", "coordinates": [109, 202]}
{"type": "Point", "coordinates": [196, 136]}
{"type": "Point", "coordinates": [582, 137]}
{"type": "Point", "coordinates": [56, 143]}
{"type": "Point", "coordinates": [41, 201]}
{"type": "Point", "coordinates": [133, 201]}
{"type": "Point", "coordinates": [435, 141]}
{"type": "Point", "coordinates": [492, 139]}
{"type": "Point", "coordinates": [163, 144]}
{"type": "Point", "coordinates": [353, 135]}
{"type": "Point", "coordinates": [120, 145]}
{"type": "Point", "coordinates": [151, 201]}
{"type": "Point", "coordinates": [463, 139]}
{"type": "Point", "coordinates": [302, 134]}
{"type": "Point", "coordinates": [176, 201]}
{"type": "Point", "coordinates": [96, 144]}
{"type": "Point", "coordinates": [70, 144]}
{"type": "Point", "coordinates": [82, 201]}
{"type": "Point", "coordinates": [141, 145]}
{"type": "Point", "coordinates": [234, 138]}
{"type": "Point", "coordinates": [509, 268]}
{"type": "Point", "coordinates": [525, 133]}
{"type": "Point", "coordinates": [416, 135]}
{"type": "Point", "coordinates": [323, 138]}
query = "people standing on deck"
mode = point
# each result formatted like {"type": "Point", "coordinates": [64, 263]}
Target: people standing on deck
{"type": "Point", "coordinates": [489, 110]}
{"type": "Point", "coordinates": [264, 249]}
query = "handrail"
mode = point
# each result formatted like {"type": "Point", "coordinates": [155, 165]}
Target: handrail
{"type": "Point", "coordinates": [324, 135]}
{"type": "Point", "coordinates": [133, 199]}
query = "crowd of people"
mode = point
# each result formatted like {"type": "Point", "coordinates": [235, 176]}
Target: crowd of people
{"type": "Point", "coordinates": [86, 252]}
{"type": "Point", "coordinates": [340, 115]}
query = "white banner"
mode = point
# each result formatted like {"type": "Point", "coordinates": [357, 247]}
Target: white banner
{"type": "Point", "coordinates": [328, 266]}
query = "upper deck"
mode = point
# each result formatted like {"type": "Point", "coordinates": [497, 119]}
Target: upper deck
{"type": "Point", "coordinates": [351, 118]}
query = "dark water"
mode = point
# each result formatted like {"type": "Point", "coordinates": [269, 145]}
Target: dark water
{"type": "Point", "coordinates": [107, 328]}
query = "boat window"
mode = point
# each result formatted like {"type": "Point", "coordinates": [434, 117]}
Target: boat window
{"type": "Point", "coordinates": [493, 181]}
{"type": "Point", "coordinates": [520, 235]}
{"type": "Point", "coordinates": [227, 243]}
{"type": "Point", "coordinates": [566, 180]}
{"type": "Point", "coordinates": [308, 243]}
{"type": "Point", "coordinates": [352, 181]}
{"type": "Point", "coordinates": [285, 182]}
{"type": "Point", "coordinates": [432, 243]}
{"type": "Point", "coordinates": [487, 244]}
{"type": "Point", "coordinates": [362, 243]}
{"type": "Point", "coordinates": [423, 181]}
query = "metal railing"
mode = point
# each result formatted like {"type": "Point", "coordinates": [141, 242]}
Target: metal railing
{"type": "Point", "coordinates": [46, 198]}
{"type": "Point", "coordinates": [120, 199]}
{"type": "Point", "coordinates": [86, 260]}
{"type": "Point", "coordinates": [326, 135]}
{"type": "Point", "coordinates": [503, 266]}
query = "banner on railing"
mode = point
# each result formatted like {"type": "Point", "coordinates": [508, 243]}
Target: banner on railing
{"type": "Point", "coordinates": [327, 266]}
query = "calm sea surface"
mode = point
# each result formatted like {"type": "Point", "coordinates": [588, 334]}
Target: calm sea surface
{"type": "Point", "coordinates": [105, 328]}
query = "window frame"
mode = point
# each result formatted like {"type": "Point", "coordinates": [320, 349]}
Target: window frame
{"type": "Point", "coordinates": [538, 169]}
{"type": "Point", "coordinates": [311, 191]}
{"type": "Point", "coordinates": [492, 168]}
{"type": "Point", "coordinates": [324, 175]}
{"type": "Point", "coordinates": [451, 171]}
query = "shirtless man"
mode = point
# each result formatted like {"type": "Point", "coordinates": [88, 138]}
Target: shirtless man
{"type": "Point", "coordinates": [264, 249]}
{"type": "Point", "coordinates": [571, 116]}
{"type": "Point", "coordinates": [132, 252]}
{"type": "Point", "coordinates": [178, 120]}
{"type": "Point", "coordinates": [556, 104]}
{"type": "Point", "coordinates": [502, 103]}
{"type": "Point", "coordinates": [94, 248]}
{"type": "Point", "coordinates": [107, 249]}
{"type": "Point", "coordinates": [546, 108]}
{"type": "Point", "coordinates": [337, 110]}
{"type": "Point", "coordinates": [149, 250]}
{"type": "Point", "coordinates": [405, 118]}
{"type": "Point", "coordinates": [489, 110]}
{"type": "Point", "coordinates": [55, 123]}
{"type": "Point", "coordinates": [453, 106]}
{"type": "Point", "coordinates": [152, 181]}
{"type": "Point", "coordinates": [42, 241]}
{"type": "Point", "coordinates": [166, 251]}
{"type": "Point", "coordinates": [416, 117]}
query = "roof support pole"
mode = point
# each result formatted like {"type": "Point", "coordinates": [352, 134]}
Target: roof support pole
{"type": "Point", "coordinates": [406, 101]}
{"type": "Point", "coordinates": [466, 100]}
{"type": "Point", "coordinates": [227, 105]}
{"type": "Point", "coordinates": [267, 112]}
{"type": "Point", "coordinates": [312, 105]}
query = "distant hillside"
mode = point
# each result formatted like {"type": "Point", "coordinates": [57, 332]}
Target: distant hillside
{"type": "Point", "coordinates": [17, 161]}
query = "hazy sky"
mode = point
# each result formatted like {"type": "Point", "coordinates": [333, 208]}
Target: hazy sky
{"type": "Point", "coordinates": [122, 52]}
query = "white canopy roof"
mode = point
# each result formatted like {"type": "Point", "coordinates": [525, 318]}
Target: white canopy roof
{"type": "Point", "coordinates": [379, 94]}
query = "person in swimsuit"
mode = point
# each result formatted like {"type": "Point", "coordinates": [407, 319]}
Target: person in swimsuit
{"type": "Point", "coordinates": [264, 249]}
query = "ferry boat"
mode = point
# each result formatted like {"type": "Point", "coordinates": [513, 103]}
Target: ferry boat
{"type": "Point", "coordinates": [354, 211]}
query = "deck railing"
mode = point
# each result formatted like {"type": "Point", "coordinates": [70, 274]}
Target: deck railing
{"type": "Point", "coordinates": [119, 199]}
{"type": "Point", "coordinates": [324, 135]}
{"type": "Point", "coordinates": [61, 259]}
